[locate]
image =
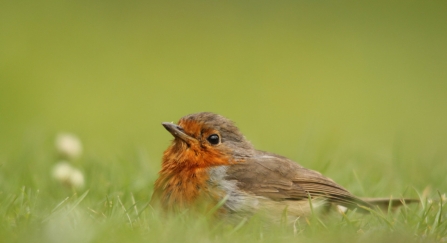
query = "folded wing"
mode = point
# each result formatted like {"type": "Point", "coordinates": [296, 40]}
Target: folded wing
{"type": "Point", "coordinates": [278, 178]}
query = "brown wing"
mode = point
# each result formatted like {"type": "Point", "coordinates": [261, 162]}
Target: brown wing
{"type": "Point", "coordinates": [279, 178]}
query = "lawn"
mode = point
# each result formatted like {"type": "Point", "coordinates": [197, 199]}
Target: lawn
{"type": "Point", "coordinates": [113, 206]}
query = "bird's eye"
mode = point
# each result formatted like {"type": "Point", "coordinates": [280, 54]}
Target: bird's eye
{"type": "Point", "coordinates": [213, 139]}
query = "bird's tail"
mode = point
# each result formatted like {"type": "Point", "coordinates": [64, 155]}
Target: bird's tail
{"type": "Point", "coordinates": [384, 203]}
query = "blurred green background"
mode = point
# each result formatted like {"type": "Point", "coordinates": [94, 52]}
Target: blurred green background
{"type": "Point", "coordinates": [353, 85]}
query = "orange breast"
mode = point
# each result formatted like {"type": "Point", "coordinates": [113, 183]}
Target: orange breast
{"type": "Point", "coordinates": [181, 188]}
{"type": "Point", "coordinates": [184, 175]}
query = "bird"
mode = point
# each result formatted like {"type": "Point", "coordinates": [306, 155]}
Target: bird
{"type": "Point", "coordinates": [210, 162]}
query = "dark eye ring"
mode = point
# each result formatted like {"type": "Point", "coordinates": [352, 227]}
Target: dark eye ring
{"type": "Point", "coordinates": [213, 139]}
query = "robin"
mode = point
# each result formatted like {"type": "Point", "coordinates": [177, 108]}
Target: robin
{"type": "Point", "coordinates": [211, 161]}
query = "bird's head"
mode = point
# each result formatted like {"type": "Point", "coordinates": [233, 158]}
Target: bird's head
{"type": "Point", "coordinates": [206, 138]}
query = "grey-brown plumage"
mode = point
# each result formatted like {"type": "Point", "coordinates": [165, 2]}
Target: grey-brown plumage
{"type": "Point", "coordinates": [278, 178]}
{"type": "Point", "coordinates": [211, 160]}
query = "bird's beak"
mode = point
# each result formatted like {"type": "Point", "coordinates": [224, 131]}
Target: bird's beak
{"type": "Point", "coordinates": [177, 132]}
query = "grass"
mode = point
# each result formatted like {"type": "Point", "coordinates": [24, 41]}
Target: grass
{"type": "Point", "coordinates": [114, 208]}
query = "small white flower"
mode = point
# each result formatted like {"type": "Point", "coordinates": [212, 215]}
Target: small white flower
{"type": "Point", "coordinates": [77, 178]}
{"type": "Point", "coordinates": [62, 172]}
{"type": "Point", "coordinates": [67, 175]}
{"type": "Point", "coordinates": [68, 145]}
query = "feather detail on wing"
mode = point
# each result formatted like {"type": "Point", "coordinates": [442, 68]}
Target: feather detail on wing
{"type": "Point", "coordinates": [278, 178]}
